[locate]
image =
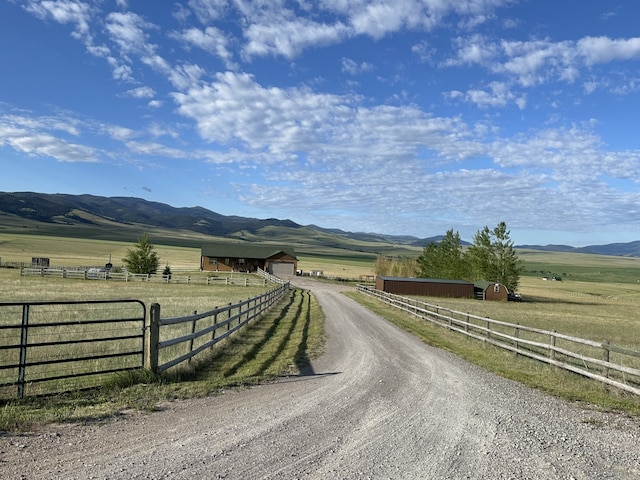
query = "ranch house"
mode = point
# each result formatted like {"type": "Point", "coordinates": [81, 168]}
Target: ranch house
{"type": "Point", "coordinates": [247, 257]}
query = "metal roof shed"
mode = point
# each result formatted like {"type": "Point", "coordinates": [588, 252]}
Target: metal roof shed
{"type": "Point", "coordinates": [427, 287]}
{"type": "Point", "coordinates": [491, 291]}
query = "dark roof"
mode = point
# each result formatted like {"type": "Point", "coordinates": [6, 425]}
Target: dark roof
{"type": "Point", "coordinates": [425, 280]}
{"type": "Point", "coordinates": [484, 284]}
{"type": "Point", "coordinates": [245, 250]}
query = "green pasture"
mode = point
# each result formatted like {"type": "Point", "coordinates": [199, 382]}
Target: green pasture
{"type": "Point", "coordinates": [598, 297]}
{"type": "Point", "coordinates": [581, 267]}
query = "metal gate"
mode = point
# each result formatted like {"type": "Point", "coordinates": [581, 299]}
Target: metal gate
{"type": "Point", "coordinates": [51, 347]}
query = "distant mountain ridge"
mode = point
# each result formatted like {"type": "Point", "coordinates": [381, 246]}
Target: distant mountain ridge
{"type": "Point", "coordinates": [630, 249]}
{"type": "Point", "coordinates": [65, 209]}
{"type": "Point", "coordinates": [89, 210]}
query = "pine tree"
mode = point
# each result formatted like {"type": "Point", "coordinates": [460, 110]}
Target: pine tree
{"type": "Point", "coordinates": [143, 258]}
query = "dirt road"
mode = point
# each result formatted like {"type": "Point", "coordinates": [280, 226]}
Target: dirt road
{"type": "Point", "coordinates": [378, 404]}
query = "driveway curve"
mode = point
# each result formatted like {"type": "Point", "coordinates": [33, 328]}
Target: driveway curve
{"type": "Point", "coordinates": [378, 404]}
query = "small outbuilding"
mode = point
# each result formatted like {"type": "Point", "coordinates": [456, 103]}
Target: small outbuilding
{"type": "Point", "coordinates": [427, 287]}
{"type": "Point", "coordinates": [496, 292]}
{"type": "Point", "coordinates": [247, 257]}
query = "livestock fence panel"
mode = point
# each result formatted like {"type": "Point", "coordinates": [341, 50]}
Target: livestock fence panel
{"type": "Point", "coordinates": [173, 341]}
{"type": "Point", "coordinates": [601, 361]}
{"type": "Point", "coordinates": [51, 347]}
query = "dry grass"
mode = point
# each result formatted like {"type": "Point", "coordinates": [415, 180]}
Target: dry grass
{"type": "Point", "coordinates": [529, 372]}
{"type": "Point", "coordinates": [281, 343]}
{"type": "Point", "coordinates": [175, 299]}
{"type": "Point", "coordinates": [583, 309]}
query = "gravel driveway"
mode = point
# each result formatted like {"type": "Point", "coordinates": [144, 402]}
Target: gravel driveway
{"type": "Point", "coordinates": [378, 404]}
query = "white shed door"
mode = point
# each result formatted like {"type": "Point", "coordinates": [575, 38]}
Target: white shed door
{"type": "Point", "coordinates": [282, 269]}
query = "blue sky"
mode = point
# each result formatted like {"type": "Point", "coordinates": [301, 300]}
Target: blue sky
{"type": "Point", "coordinates": [404, 117]}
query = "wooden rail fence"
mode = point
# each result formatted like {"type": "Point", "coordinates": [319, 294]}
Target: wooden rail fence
{"type": "Point", "coordinates": [591, 359]}
{"type": "Point", "coordinates": [173, 341]}
{"type": "Point", "coordinates": [96, 274]}
{"type": "Point", "coordinates": [54, 347]}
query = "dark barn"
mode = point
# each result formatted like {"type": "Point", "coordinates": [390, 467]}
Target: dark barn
{"type": "Point", "coordinates": [427, 287]}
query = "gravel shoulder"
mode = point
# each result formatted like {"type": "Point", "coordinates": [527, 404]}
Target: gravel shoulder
{"type": "Point", "coordinates": [377, 404]}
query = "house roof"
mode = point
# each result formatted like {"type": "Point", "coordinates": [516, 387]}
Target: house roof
{"type": "Point", "coordinates": [425, 280]}
{"type": "Point", "coordinates": [245, 250]}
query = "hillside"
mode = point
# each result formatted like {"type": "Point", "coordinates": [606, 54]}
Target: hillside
{"type": "Point", "coordinates": [125, 218]}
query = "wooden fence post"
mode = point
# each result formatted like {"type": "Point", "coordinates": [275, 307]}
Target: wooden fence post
{"type": "Point", "coordinates": [605, 346]}
{"type": "Point", "coordinates": [552, 352]}
{"type": "Point", "coordinates": [215, 321]}
{"type": "Point", "coordinates": [154, 337]}
{"type": "Point", "coordinates": [193, 330]}
{"type": "Point", "coordinates": [516, 334]}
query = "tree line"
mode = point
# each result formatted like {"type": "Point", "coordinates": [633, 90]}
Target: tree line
{"type": "Point", "coordinates": [492, 257]}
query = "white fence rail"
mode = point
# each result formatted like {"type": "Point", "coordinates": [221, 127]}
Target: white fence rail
{"type": "Point", "coordinates": [95, 274]}
{"type": "Point", "coordinates": [591, 359]}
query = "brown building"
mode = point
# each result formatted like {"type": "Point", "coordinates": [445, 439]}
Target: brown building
{"type": "Point", "coordinates": [491, 291]}
{"type": "Point", "coordinates": [248, 257]}
{"type": "Point", "coordinates": [427, 287]}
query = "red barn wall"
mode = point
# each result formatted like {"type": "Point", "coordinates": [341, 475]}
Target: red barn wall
{"type": "Point", "coordinates": [420, 287]}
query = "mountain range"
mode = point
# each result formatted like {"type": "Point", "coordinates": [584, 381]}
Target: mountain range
{"type": "Point", "coordinates": [125, 217]}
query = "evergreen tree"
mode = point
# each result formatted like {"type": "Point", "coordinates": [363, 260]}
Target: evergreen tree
{"type": "Point", "coordinates": [143, 258]}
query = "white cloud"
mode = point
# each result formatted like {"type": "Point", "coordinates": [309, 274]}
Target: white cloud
{"type": "Point", "coordinates": [211, 40]}
{"type": "Point", "coordinates": [141, 92]}
{"type": "Point", "coordinates": [289, 37]}
{"type": "Point", "coordinates": [71, 12]}
{"type": "Point", "coordinates": [498, 94]}
{"type": "Point", "coordinates": [156, 149]}
{"type": "Point", "coordinates": [34, 137]}
{"type": "Point", "coordinates": [535, 62]}
{"type": "Point", "coordinates": [605, 50]}
{"type": "Point", "coordinates": [354, 68]}
{"type": "Point", "coordinates": [127, 30]}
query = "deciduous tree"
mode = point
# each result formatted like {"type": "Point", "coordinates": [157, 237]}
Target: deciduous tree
{"type": "Point", "coordinates": [444, 259]}
{"type": "Point", "coordinates": [492, 257]}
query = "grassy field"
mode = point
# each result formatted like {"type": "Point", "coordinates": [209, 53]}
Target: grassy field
{"type": "Point", "coordinates": [281, 343]}
{"type": "Point", "coordinates": [582, 309]}
{"type": "Point", "coordinates": [597, 299]}
{"type": "Point", "coordinates": [601, 269]}
{"type": "Point", "coordinates": [66, 252]}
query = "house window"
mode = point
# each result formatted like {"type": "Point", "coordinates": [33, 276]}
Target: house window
{"type": "Point", "coordinates": [242, 261]}
{"type": "Point", "coordinates": [496, 288]}
{"type": "Point", "coordinates": [213, 261]}
{"type": "Point", "coordinates": [226, 261]}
